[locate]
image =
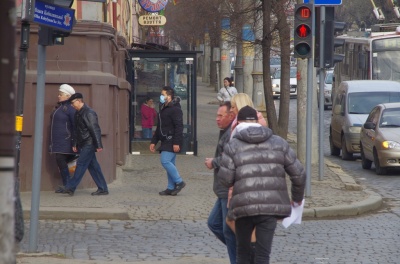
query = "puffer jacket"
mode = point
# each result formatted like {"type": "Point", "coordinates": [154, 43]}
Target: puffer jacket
{"type": "Point", "coordinates": [170, 126]}
{"type": "Point", "coordinates": [255, 162]}
{"type": "Point", "coordinates": [62, 128]}
{"type": "Point", "coordinates": [87, 129]}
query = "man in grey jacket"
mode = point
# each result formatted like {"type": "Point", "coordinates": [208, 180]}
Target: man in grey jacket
{"type": "Point", "coordinates": [255, 163]}
{"type": "Point", "coordinates": [216, 221]}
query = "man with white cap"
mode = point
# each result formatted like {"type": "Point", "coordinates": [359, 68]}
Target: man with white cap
{"type": "Point", "coordinates": [61, 130]}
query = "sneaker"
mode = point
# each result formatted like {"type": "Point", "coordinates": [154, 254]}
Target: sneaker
{"type": "Point", "coordinates": [59, 189]}
{"type": "Point", "coordinates": [178, 188]}
{"type": "Point", "coordinates": [166, 192]}
{"type": "Point", "coordinates": [67, 191]}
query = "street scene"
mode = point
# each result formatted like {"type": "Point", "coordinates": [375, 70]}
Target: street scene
{"type": "Point", "coordinates": [189, 132]}
{"type": "Point", "coordinates": [174, 229]}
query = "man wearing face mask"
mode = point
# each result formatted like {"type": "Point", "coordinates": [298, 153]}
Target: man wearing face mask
{"type": "Point", "coordinates": [170, 132]}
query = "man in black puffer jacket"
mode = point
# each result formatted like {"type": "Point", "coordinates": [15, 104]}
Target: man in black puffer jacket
{"type": "Point", "coordinates": [170, 132]}
{"type": "Point", "coordinates": [255, 163]}
{"type": "Point", "coordinates": [87, 138]}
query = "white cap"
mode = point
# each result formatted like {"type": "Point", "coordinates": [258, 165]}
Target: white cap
{"type": "Point", "coordinates": [66, 88]}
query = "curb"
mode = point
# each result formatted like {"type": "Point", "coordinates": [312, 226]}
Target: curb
{"type": "Point", "coordinates": [61, 213]}
{"type": "Point", "coordinates": [373, 202]}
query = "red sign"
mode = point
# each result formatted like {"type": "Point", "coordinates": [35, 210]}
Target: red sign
{"type": "Point", "coordinates": [153, 5]}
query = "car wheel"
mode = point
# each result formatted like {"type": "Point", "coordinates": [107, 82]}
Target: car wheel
{"type": "Point", "coordinates": [379, 170]}
{"type": "Point", "coordinates": [365, 163]}
{"type": "Point", "coordinates": [334, 150]}
{"type": "Point", "coordinates": [345, 154]}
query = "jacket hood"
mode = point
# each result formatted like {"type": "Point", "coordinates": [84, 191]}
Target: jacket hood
{"type": "Point", "coordinates": [252, 133]}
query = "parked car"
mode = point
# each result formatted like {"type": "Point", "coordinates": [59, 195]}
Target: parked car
{"type": "Point", "coordinates": [327, 90]}
{"type": "Point", "coordinates": [380, 138]}
{"type": "Point", "coordinates": [276, 82]}
{"type": "Point", "coordinates": [353, 102]}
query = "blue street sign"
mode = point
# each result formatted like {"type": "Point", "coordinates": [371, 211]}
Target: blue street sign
{"type": "Point", "coordinates": [325, 2]}
{"type": "Point", "coordinates": [54, 16]}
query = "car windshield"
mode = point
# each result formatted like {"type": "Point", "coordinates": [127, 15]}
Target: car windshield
{"type": "Point", "coordinates": [362, 103]}
{"type": "Point", "coordinates": [390, 118]}
{"type": "Point", "coordinates": [275, 61]}
{"type": "Point", "coordinates": [329, 78]}
{"type": "Point", "coordinates": [293, 73]}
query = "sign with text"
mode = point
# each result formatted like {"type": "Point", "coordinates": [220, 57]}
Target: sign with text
{"type": "Point", "coordinates": [54, 16]}
{"type": "Point", "coordinates": [152, 20]}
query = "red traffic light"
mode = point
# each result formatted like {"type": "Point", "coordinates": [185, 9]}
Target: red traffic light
{"type": "Point", "coordinates": [303, 31]}
{"type": "Point", "coordinates": [303, 13]}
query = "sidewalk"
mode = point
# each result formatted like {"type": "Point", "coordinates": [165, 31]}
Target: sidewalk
{"type": "Point", "coordinates": [134, 195]}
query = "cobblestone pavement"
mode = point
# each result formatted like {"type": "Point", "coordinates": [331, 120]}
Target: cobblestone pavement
{"type": "Point", "coordinates": [174, 230]}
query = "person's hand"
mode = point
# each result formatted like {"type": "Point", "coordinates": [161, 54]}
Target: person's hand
{"type": "Point", "coordinates": [208, 163]}
{"type": "Point", "coordinates": [152, 147]}
{"type": "Point", "coordinates": [99, 149]}
{"type": "Point", "coordinates": [176, 148]}
{"type": "Point", "coordinates": [295, 204]}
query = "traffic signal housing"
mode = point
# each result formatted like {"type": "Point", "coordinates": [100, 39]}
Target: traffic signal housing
{"type": "Point", "coordinates": [303, 41]}
{"type": "Point", "coordinates": [330, 41]}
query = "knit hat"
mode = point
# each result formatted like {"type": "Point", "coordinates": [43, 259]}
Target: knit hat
{"type": "Point", "coordinates": [247, 113]}
{"type": "Point", "coordinates": [66, 88]}
{"type": "Point", "coordinates": [75, 96]}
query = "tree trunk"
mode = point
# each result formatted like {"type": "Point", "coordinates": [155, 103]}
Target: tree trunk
{"type": "Point", "coordinates": [284, 41]}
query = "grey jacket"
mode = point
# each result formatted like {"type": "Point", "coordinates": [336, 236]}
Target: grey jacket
{"type": "Point", "coordinates": [255, 162]}
{"type": "Point", "coordinates": [220, 190]}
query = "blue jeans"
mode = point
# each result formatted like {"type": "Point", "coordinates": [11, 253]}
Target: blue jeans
{"type": "Point", "coordinates": [217, 224]}
{"type": "Point", "coordinates": [87, 160]}
{"type": "Point", "coordinates": [147, 132]}
{"type": "Point", "coordinates": [168, 162]}
{"type": "Point", "coordinates": [265, 227]}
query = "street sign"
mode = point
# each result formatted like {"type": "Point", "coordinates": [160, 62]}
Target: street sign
{"type": "Point", "coordinates": [325, 2]}
{"type": "Point", "coordinates": [54, 16]}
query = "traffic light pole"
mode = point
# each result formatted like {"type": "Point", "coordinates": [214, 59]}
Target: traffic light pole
{"type": "Point", "coordinates": [310, 81]}
{"type": "Point", "coordinates": [321, 92]}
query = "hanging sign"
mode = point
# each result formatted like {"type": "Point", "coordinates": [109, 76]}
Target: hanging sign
{"type": "Point", "coordinates": [153, 5]}
{"type": "Point", "coordinates": [152, 20]}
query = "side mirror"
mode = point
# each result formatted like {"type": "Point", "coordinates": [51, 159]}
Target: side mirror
{"type": "Point", "coordinates": [337, 109]}
{"type": "Point", "coordinates": [369, 125]}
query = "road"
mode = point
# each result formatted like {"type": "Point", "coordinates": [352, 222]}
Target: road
{"type": "Point", "coordinates": [371, 238]}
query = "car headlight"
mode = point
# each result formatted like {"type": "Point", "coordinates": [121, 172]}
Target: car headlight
{"type": "Point", "coordinates": [390, 145]}
{"type": "Point", "coordinates": [355, 129]}
{"type": "Point", "coordinates": [275, 85]}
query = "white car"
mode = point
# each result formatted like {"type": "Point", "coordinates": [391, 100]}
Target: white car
{"type": "Point", "coordinates": [276, 82]}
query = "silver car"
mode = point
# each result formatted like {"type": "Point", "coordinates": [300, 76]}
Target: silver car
{"type": "Point", "coordinates": [353, 102]}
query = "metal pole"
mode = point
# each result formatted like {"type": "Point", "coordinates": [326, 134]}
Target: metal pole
{"type": "Point", "coordinates": [321, 93]}
{"type": "Point", "coordinates": [310, 81]}
{"type": "Point", "coordinates": [24, 45]}
{"type": "Point", "coordinates": [37, 148]}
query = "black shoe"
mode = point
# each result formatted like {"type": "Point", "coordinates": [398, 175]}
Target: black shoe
{"type": "Point", "coordinates": [60, 189]}
{"type": "Point", "coordinates": [166, 192]}
{"type": "Point", "coordinates": [100, 192]}
{"type": "Point", "coordinates": [67, 191]}
{"type": "Point", "coordinates": [178, 188]}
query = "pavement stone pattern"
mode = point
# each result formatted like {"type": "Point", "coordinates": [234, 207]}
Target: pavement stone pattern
{"type": "Point", "coordinates": [139, 224]}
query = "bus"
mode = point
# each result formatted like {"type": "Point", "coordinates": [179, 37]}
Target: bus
{"type": "Point", "coordinates": [369, 55]}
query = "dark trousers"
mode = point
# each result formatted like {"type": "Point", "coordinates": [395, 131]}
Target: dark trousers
{"type": "Point", "coordinates": [265, 227]}
{"type": "Point", "coordinates": [87, 161]}
{"type": "Point", "coordinates": [63, 159]}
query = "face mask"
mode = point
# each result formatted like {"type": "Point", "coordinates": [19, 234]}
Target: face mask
{"type": "Point", "coordinates": [162, 99]}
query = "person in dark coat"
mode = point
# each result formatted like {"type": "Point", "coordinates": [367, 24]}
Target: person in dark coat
{"type": "Point", "coordinates": [61, 131]}
{"type": "Point", "coordinates": [170, 132]}
{"type": "Point", "coordinates": [255, 162]}
{"type": "Point", "coordinates": [87, 139]}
